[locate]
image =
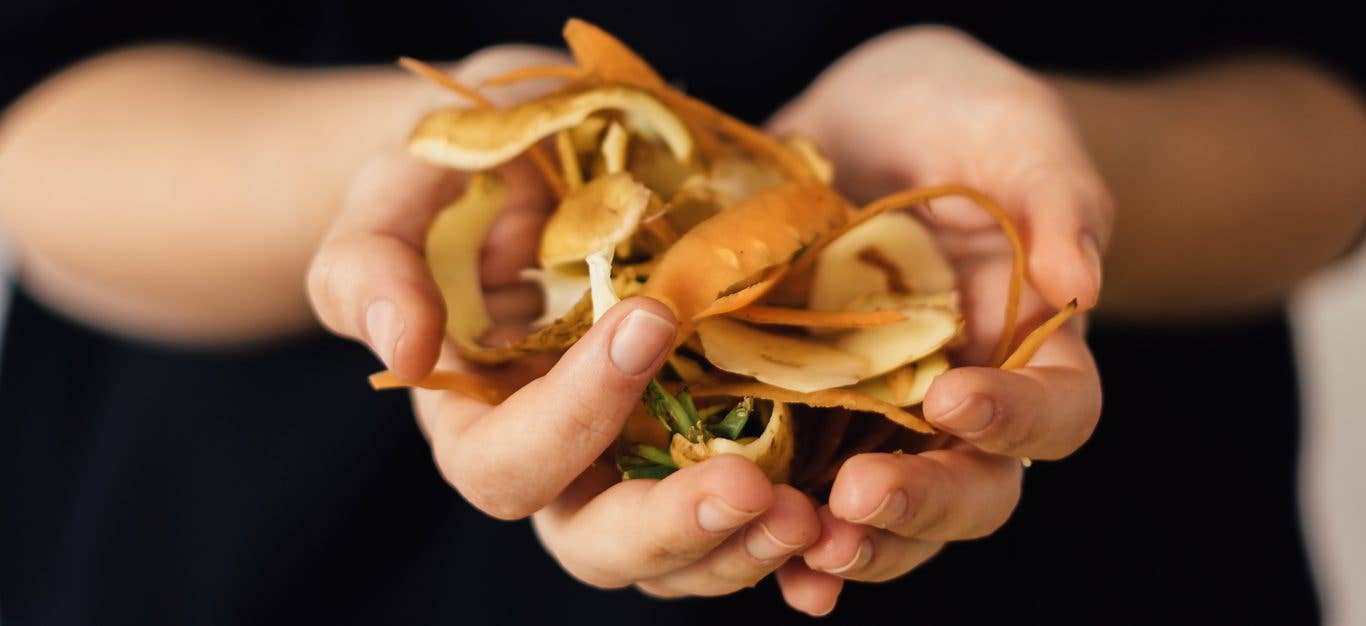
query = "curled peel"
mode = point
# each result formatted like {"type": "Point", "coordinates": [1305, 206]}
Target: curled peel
{"type": "Point", "coordinates": [478, 139]}
{"type": "Point", "coordinates": [771, 451]}
{"type": "Point", "coordinates": [891, 253]}
{"type": "Point", "coordinates": [453, 243]}
{"type": "Point", "coordinates": [752, 242]}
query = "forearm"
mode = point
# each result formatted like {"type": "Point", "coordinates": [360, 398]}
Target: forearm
{"type": "Point", "coordinates": [1233, 182]}
{"type": "Point", "coordinates": [177, 193]}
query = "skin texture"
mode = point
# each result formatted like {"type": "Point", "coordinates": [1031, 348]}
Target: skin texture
{"type": "Point", "coordinates": [928, 105]}
{"type": "Point", "coordinates": [981, 120]}
{"type": "Point", "coordinates": [711, 529]}
{"type": "Point", "coordinates": [205, 204]}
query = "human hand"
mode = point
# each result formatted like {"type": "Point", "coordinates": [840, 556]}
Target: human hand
{"type": "Point", "coordinates": [929, 105]}
{"type": "Point", "coordinates": [709, 529]}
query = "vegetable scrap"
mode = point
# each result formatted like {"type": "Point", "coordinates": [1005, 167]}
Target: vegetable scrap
{"type": "Point", "coordinates": [810, 329]}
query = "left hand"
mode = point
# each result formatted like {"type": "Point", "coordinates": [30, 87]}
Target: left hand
{"type": "Point", "coordinates": [928, 105]}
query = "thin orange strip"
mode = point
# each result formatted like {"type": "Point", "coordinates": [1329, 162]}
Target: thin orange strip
{"type": "Point", "coordinates": [1032, 342]}
{"type": "Point", "coordinates": [464, 384]}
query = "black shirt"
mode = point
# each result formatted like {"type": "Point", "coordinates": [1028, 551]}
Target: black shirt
{"type": "Point", "coordinates": [144, 484]}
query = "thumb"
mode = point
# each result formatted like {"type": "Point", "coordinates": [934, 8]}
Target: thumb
{"type": "Point", "coordinates": [519, 456]}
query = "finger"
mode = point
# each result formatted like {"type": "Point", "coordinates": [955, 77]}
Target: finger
{"type": "Point", "coordinates": [642, 529]}
{"type": "Point", "coordinates": [511, 460]}
{"type": "Point", "coordinates": [943, 495]}
{"type": "Point", "coordinates": [748, 556]}
{"type": "Point", "coordinates": [1044, 411]}
{"type": "Point", "coordinates": [811, 592]}
{"type": "Point", "coordinates": [515, 304]}
{"type": "Point", "coordinates": [858, 552]}
{"type": "Point", "coordinates": [514, 236]}
{"type": "Point", "coordinates": [368, 280]}
{"type": "Point", "coordinates": [1066, 227]}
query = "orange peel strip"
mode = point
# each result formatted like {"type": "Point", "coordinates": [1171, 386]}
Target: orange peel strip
{"type": "Point", "coordinates": [443, 79]}
{"type": "Point", "coordinates": [1025, 351]}
{"type": "Point", "coordinates": [747, 136]}
{"type": "Point", "coordinates": [464, 384]}
{"type": "Point", "coordinates": [605, 58]}
{"type": "Point", "coordinates": [532, 72]}
{"type": "Point", "coordinates": [599, 52]}
{"type": "Point", "coordinates": [783, 316]}
{"type": "Point", "coordinates": [728, 261]}
{"type": "Point", "coordinates": [826, 398]}
{"type": "Point", "coordinates": [538, 156]}
{"type": "Point", "coordinates": [921, 195]}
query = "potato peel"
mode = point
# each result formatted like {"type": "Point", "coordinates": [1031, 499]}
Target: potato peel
{"type": "Point", "coordinates": [784, 291]}
{"type": "Point", "coordinates": [479, 139]}
{"type": "Point", "coordinates": [908, 384]}
{"type": "Point", "coordinates": [892, 252]}
{"type": "Point", "coordinates": [779, 360]}
{"type": "Point", "coordinates": [452, 250]}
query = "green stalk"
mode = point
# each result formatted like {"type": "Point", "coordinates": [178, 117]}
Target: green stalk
{"type": "Point", "coordinates": [658, 456]}
{"type": "Point", "coordinates": [734, 422]}
{"type": "Point", "coordinates": [669, 410]}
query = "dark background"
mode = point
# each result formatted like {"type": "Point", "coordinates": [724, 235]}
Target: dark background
{"type": "Point", "coordinates": [140, 484]}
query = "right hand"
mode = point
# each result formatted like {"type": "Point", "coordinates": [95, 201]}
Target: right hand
{"type": "Point", "coordinates": [709, 529]}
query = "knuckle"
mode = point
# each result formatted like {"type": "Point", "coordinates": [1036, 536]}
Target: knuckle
{"type": "Point", "coordinates": [931, 511]}
{"type": "Point", "coordinates": [668, 547]}
{"type": "Point", "coordinates": [484, 486]}
{"type": "Point", "coordinates": [1009, 431]}
{"type": "Point", "coordinates": [732, 578]}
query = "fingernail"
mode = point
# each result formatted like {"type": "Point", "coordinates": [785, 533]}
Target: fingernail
{"type": "Point", "coordinates": [861, 558]}
{"type": "Point", "coordinates": [1090, 251]}
{"type": "Point", "coordinates": [970, 416]}
{"type": "Point", "coordinates": [715, 516]}
{"type": "Point", "coordinates": [764, 546]}
{"type": "Point", "coordinates": [384, 327]}
{"type": "Point", "coordinates": [640, 338]}
{"type": "Point", "coordinates": [888, 512]}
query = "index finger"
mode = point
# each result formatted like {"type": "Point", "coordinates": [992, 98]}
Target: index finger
{"type": "Point", "coordinates": [1045, 410]}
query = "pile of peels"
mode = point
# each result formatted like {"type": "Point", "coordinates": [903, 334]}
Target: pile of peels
{"type": "Point", "coordinates": [810, 329]}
